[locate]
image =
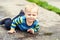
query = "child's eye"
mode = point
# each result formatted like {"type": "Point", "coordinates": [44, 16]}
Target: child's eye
{"type": "Point", "coordinates": [29, 14]}
{"type": "Point", "coordinates": [34, 15]}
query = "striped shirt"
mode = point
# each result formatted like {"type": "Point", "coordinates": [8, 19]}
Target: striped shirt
{"type": "Point", "coordinates": [21, 23]}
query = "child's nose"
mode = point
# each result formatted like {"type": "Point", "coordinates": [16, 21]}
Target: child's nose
{"type": "Point", "coordinates": [31, 16]}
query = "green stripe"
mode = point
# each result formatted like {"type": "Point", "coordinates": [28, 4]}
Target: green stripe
{"type": "Point", "coordinates": [16, 21]}
{"type": "Point", "coordinates": [21, 19]}
{"type": "Point", "coordinates": [13, 25]}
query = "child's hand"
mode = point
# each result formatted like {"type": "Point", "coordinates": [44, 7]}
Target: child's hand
{"type": "Point", "coordinates": [30, 31]}
{"type": "Point", "coordinates": [11, 31]}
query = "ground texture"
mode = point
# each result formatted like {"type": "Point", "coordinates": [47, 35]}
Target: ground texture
{"type": "Point", "coordinates": [48, 20]}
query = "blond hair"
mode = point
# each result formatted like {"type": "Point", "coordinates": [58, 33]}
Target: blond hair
{"type": "Point", "coordinates": [31, 6]}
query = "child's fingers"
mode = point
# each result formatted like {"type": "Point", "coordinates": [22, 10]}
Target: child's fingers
{"type": "Point", "coordinates": [28, 30]}
{"type": "Point", "coordinates": [11, 32]}
{"type": "Point", "coordinates": [32, 31]}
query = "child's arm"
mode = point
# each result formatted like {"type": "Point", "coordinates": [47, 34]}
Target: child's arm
{"type": "Point", "coordinates": [16, 22]}
{"type": "Point", "coordinates": [12, 30]}
{"type": "Point", "coordinates": [13, 25]}
{"type": "Point", "coordinates": [35, 29]}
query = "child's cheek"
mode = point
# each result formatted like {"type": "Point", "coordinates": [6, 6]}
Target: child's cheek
{"type": "Point", "coordinates": [35, 18]}
{"type": "Point", "coordinates": [28, 16]}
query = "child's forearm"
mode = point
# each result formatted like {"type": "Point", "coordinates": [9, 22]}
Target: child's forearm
{"type": "Point", "coordinates": [13, 29]}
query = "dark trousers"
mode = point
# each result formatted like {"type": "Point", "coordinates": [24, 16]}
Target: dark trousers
{"type": "Point", "coordinates": [8, 21]}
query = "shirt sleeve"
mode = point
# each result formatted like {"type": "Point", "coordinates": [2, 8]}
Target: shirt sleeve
{"type": "Point", "coordinates": [36, 27]}
{"type": "Point", "coordinates": [16, 22]}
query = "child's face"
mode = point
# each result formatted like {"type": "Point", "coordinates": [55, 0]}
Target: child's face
{"type": "Point", "coordinates": [31, 14]}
